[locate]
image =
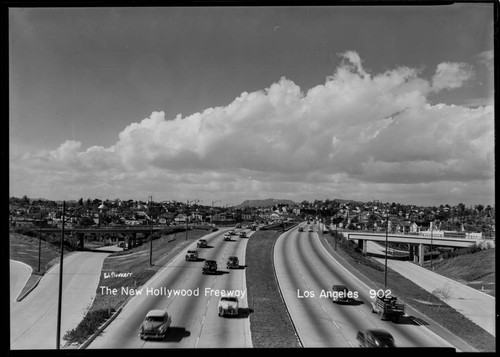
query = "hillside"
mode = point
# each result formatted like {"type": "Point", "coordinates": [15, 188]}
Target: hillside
{"type": "Point", "coordinates": [264, 203]}
{"type": "Point", "coordinates": [476, 270]}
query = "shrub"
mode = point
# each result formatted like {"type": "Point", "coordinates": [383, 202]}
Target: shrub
{"type": "Point", "coordinates": [89, 324]}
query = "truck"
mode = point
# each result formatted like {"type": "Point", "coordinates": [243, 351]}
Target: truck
{"type": "Point", "coordinates": [210, 267]}
{"type": "Point", "coordinates": [233, 263]}
{"type": "Point", "coordinates": [228, 305]}
{"type": "Point", "coordinates": [155, 324]}
{"type": "Point", "coordinates": [388, 308]}
{"type": "Point", "coordinates": [192, 255]}
{"type": "Point", "coordinates": [202, 243]}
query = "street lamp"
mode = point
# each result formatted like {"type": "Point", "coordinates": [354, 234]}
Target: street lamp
{"type": "Point", "coordinates": [150, 231]}
{"type": "Point", "coordinates": [386, 239]}
{"type": "Point", "coordinates": [187, 207]}
{"type": "Point", "coordinates": [61, 259]}
{"type": "Point", "coordinates": [211, 211]}
{"type": "Point", "coordinates": [432, 227]}
{"type": "Point", "coordinates": [150, 208]}
{"type": "Point", "coordinates": [40, 243]}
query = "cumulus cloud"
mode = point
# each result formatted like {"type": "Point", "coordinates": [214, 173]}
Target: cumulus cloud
{"type": "Point", "coordinates": [451, 75]}
{"type": "Point", "coordinates": [355, 127]}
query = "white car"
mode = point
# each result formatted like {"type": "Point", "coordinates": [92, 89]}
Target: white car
{"type": "Point", "coordinates": [228, 305]}
{"type": "Point", "coordinates": [227, 236]}
{"type": "Point", "coordinates": [155, 324]}
{"type": "Point", "coordinates": [192, 255]}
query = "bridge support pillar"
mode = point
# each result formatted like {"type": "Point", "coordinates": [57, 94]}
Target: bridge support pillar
{"type": "Point", "coordinates": [421, 254]}
{"type": "Point", "coordinates": [411, 252]}
{"type": "Point", "coordinates": [362, 245]}
{"type": "Point", "coordinates": [81, 240]}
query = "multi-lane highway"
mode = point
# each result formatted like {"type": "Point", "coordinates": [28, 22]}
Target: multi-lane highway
{"type": "Point", "coordinates": [195, 320]}
{"type": "Point", "coordinates": [304, 270]}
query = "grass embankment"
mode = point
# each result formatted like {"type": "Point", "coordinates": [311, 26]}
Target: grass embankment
{"type": "Point", "coordinates": [270, 324]}
{"type": "Point", "coordinates": [25, 249]}
{"type": "Point", "coordinates": [135, 263]}
{"type": "Point", "coordinates": [414, 296]}
{"type": "Point", "coordinates": [476, 270]}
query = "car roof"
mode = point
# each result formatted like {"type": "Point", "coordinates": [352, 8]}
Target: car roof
{"type": "Point", "coordinates": [157, 313]}
{"type": "Point", "coordinates": [380, 333]}
{"type": "Point", "coordinates": [229, 298]}
{"type": "Point", "coordinates": [339, 287]}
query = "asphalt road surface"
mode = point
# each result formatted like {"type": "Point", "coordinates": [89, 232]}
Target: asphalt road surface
{"type": "Point", "coordinates": [195, 320]}
{"type": "Point", "coordinates": [33, 321]}
{"type": "Point", "coordinates": [303, 268]}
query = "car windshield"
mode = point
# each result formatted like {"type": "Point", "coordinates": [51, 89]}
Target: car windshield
{"type": "Point", "coordinates": [155, 318]}
{"type": "Point", "coordinates": [229, 299]}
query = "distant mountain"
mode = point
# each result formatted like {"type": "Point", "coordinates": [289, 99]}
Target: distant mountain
{"type": "Point", "coordinates": [264, 203]}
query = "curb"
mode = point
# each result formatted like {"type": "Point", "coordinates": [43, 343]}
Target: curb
{"type": "Point", "coordinates": [21, 297]}
{"type": "Point", "coordinates": [101, 328]}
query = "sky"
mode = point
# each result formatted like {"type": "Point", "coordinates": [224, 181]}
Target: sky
{"type": "Point", "coordinates": [225, 104]}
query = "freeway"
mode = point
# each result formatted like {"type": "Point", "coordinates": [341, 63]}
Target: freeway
{"type": "Point", "coordinates": [305, 270]}
{"type": "Point", "coordinates": [195, 320]}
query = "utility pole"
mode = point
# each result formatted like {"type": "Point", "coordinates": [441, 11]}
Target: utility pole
{"type": "Point", "coordinates": [151, 231]}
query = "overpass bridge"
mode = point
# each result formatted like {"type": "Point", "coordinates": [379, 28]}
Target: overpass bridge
{"type": "Point", "coordinates": [416, 242]}
{"type": "Point", "coordinates": [78, 234]}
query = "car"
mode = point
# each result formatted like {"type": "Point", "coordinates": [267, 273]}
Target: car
{"type": "Point", "coordinates": [340, 294]}
{"type": "Point", "coordinates": [232, 232]}
{"type": "Point", "coordinates": [210, 267]}
{"type": "Point", "coordinates": [228, 305]}
{"type": "Point", "coordinates": [233, 263]}
{"type": "Point", "coordinates": [311, 229]}
{"type": "Point", "coordinates": [227, 236]}
{"type": "Point", "coordinates": [301, 229]}
{"type": "Point", "coordinates": [155, 324]}
{"type": "Point", "coordinates": [192, 255]}
{"type": "Point", "coordinates": [243, 234]}
{"type": "Point", "coordinates": [378, 338]}
{"type": "Point", "coordinates": [202, 243]}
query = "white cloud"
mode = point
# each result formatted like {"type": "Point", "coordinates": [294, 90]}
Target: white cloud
{"type": "Point", "coordinates": [451, 75]}
{"type": "Point", "coordinates": [368, 129]}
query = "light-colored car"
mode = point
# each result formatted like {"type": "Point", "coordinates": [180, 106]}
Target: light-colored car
{"type": "Point", "coordinates": [227, 236]}
{"type": "Point", "coordinates": [192, 255]}
{"type": "Point", "coordinates": [232, 232]}
{"type": "Point", "coordinates": [228, 305]}
{"type": "Point", "coordinates": [155, 324]}
{"type": "Point", "coordinates": [202, 243]}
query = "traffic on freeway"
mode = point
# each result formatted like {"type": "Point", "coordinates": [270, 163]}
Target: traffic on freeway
{"type": "Point", "coordinates": [306, 273]}
{"type": "Point", "coordinates": [191, 300]}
